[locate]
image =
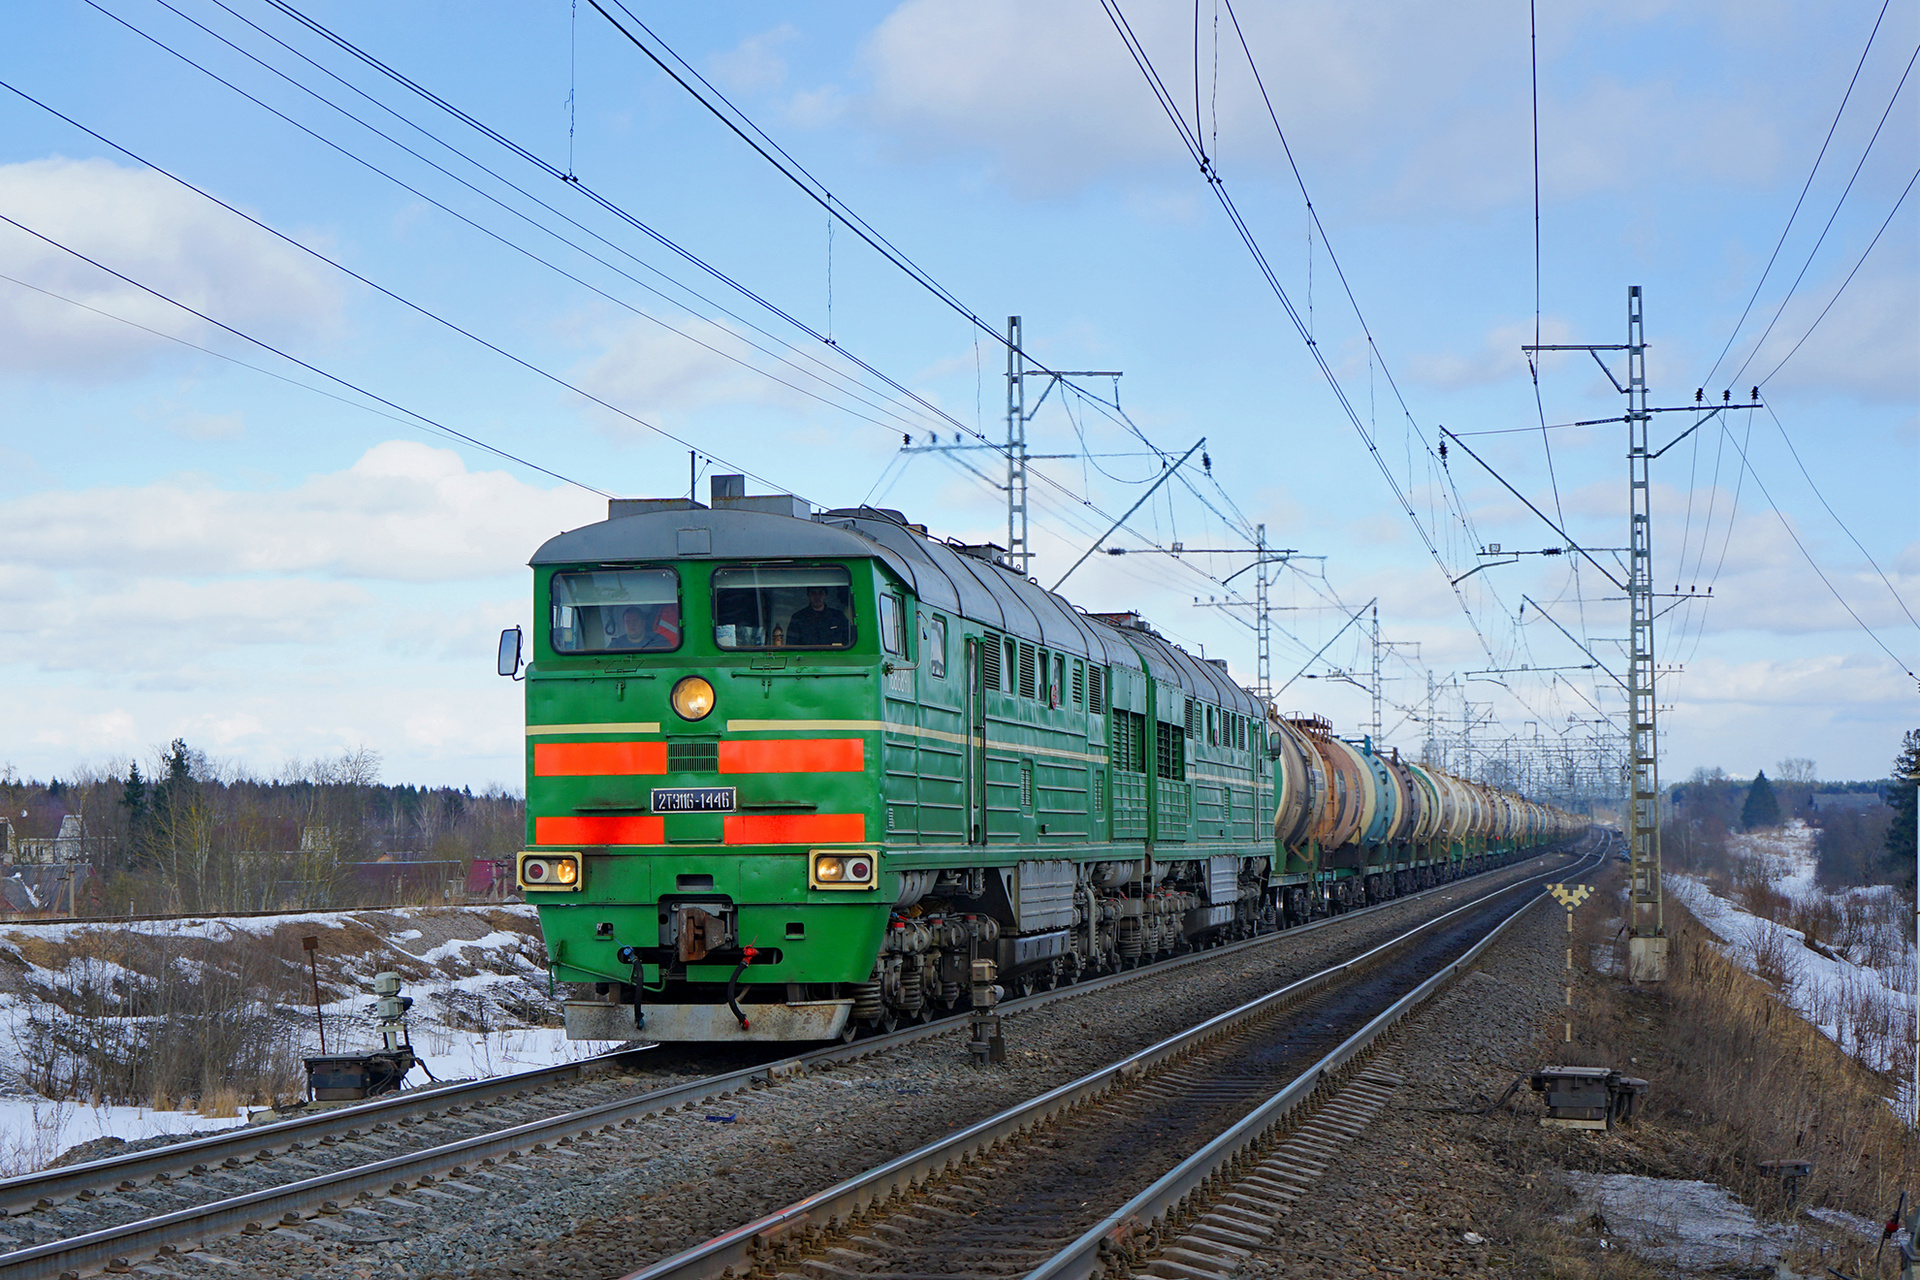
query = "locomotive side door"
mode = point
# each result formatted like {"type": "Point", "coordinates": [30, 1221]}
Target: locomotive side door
{"type": "Point", "coordinates": [976, 731]}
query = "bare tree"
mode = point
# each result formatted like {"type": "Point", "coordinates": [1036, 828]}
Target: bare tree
{"type": "Point", "coordinates": [1795, 769]}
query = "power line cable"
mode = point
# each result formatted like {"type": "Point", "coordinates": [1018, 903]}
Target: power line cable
{"type": "Point", "coordinates": [1814, 565]}
{"type": "Point", "coordinates": [408, 303]}
{"type": "Point", "coordinates": [743, 127]}
{"type": "Point", "coordinates": [1699, 619]}
{"type": "Point", "coordinates": [882, 407]}
{"type": "Point", "coordinates": [1805, 187]}
{"type": "Point", "coordinates": [518, 190]}
{"type": "Point", "coordinates": [835, 207]}
{"type": "Point", "coordinates": [1822, 238]}
{"type": "Point", "coordinates": [1862, 261]}
{"type": "Point", "coordinates": [1885, 581]}
{"type": "Point", "coordinates": [1215, 184]}
{"type": "Point", "coordinates": [284, 355]}
{"type": "Point", "coordinates": [613, 208]}
{"type": "Point", "coordinates": [1339, 271]}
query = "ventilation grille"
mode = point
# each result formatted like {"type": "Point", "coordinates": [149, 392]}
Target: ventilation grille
{"type": "Point", "coordinates": [1079, 685]}
{"type": "Point", "coordinates": [1170, 752]}
{"type": "Point", "coordinates": [693, 757]}
{"type": "Point", "coordinates": [990, 662]}
{"type": "Point", "coordinates": [1099, 792]}
{"type": "Point", "coordinates": [1026, 671]}
{"type": "Point", "coordinates": [1193, 719]}
{"type": "Point", "coordinates": [1026, 786]}
{"type": "Point", "coordinates": [1097, 690]}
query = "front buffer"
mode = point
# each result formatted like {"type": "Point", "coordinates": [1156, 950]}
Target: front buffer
{"type": "Point", "coordinates": [710, 944]}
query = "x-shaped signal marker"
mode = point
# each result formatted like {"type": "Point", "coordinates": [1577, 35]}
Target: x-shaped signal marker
{"type": "Point", "coordinates": [1570, 895]}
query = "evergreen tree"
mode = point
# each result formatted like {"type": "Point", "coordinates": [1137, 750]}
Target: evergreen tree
{"type": "Point", "coordinates": [1901, 799]}
{"type": "Point", "coordinates": [1762, 808]}
{"type": "Point", "coordinates": [135, 799]}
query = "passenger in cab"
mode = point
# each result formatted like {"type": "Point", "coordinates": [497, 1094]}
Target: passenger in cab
{"type": "Point", "coordinates": [817, 626]}
{"type": "Point", "coordinates": [648, 627]}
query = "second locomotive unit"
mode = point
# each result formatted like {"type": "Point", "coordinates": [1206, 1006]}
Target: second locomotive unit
{"type": "Point", "coordinates": [789, 774]}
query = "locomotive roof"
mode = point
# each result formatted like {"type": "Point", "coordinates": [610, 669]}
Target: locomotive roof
{"type": "Point", "coordinates": [941, 576]}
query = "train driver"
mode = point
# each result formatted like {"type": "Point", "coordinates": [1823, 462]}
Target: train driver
{"type": "Point", "coordinates": [657, 627]}
{"type": "Point", "coordinates": [816, 625]}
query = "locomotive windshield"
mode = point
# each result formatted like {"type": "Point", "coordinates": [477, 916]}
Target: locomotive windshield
{"type": "Point", "coordinates": [782, 607]}
{"type": "Point", "coordinates": [616, 611]}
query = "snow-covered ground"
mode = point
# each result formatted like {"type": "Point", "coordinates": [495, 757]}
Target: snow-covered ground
{"type": "Point", "coordinates": [74, 996]}
{"type": "Point", "coordinates": [35, 1130]}
{"type": "Point", "coordinates": [1853, 979]}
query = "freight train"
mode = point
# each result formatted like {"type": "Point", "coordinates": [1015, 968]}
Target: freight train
{"type": "Point", "coordinates": [789, 774]}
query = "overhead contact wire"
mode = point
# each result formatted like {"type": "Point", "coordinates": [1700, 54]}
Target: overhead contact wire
{"type": "Point", "coordinates": [457, 434]}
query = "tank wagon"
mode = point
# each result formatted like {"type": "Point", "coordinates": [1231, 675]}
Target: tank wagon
{"type": "Point", "coordinates": [789, 774]}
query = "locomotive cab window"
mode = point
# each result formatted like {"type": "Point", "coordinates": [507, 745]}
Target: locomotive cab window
{"type": "Point", "coordinates": [937, 649]}
{"type": "Point", "coordinates": [615, 611]}
{"type": "Point", "coordinates": [891, 636]}
{"type": "Point", "coordinates": [783, 607]}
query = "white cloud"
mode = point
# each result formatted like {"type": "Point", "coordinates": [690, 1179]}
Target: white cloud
{"type": "Point", "coordinates": [353, 606]}
{"type": "Point", "coordinates": [1498, 358]}
{"type": "Point", "coordinates": [1863, 349]}
{"type": "Point", "coordinates": [1432, 100]}
{"type": "Point", "coordinates": [657, 374]}
{"type": "Point", "coordinates": [754, 65]}
{"type": "Point", "coordinates": [209, 426]}
{"type": "Point", "coordinates": [404, 511]}
{"type": "Point", "coordinates": [154, 231]}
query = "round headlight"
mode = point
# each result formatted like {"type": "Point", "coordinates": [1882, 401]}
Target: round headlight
{"type": "Point", "coordinates": [692, 698]}
{"type": "Point", "coordinates": [827, 869]}
{"type": "Point", "coordinates": [533, 870]}
{"type": "Point", "coordinates": [566, 871]}
{"type": "Point", "coordinates": [859, 869]}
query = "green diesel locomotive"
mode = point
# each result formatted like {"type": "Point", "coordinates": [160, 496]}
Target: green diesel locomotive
{"type": "Point", "coordinates": [789, 774]}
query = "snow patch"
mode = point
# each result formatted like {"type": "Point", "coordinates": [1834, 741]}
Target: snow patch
{"type": "Point", "coordinates": [1693, 1226]}
{"type": "Point", "coordinates": [1857, 984]}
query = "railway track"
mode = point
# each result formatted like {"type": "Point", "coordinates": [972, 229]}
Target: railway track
{"type": "Point", "coordinates": [109, 1212]}
{"type": "Point", "coordinates": [1076, 1183]}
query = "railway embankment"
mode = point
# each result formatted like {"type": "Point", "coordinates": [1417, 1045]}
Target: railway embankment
{"type": "Point", "coordinates": [114, 1031]}
{"type": "Point", "coordinates": [1458, 1177]}
{"type": "Point", "coordinates": [604, 1206]}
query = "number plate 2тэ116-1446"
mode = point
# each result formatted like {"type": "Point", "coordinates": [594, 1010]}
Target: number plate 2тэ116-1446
{"type": "Point", "coordinates": [693, 800]}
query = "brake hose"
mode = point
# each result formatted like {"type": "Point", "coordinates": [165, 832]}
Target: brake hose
{"type": "Point", "coordinates": [733, 986]}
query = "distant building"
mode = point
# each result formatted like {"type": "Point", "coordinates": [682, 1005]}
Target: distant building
{"type": "Point", "coordinates": [70, 846]}
{"type": "Point", "coordinates": [1862, 802]}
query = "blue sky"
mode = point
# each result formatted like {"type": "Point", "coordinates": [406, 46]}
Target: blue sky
{"type": "Point", "coordinates": [196, 547]}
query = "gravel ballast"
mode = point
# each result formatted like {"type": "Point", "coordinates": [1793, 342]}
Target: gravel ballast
{"type": "Point", "coordinates": [605, 1205]}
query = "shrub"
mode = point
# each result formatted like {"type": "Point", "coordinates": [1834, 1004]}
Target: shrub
{"type": "Point", "coordinates": [1849, 847]}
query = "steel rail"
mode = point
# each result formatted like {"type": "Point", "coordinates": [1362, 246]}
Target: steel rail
{"type": "Point", "coordinates": [196, 1224]}
{"type": "Point", "coordinates": [109, 1174]}
{"type": "Point", "coordinates": [737, 1251]}
{"type": "Point", "coordinates": [1082, 1259]}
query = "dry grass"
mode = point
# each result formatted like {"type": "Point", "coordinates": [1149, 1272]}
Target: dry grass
{"type": "Point", "coordinates": [147, 1017]}
{"type": "Point", "coordinates": [1739, 1078]}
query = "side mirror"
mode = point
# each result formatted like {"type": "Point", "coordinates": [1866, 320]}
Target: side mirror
{"type": "Point", "coordinates": [1273, 746]}
{"type": "Point", "coordinates": [509, 663]}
